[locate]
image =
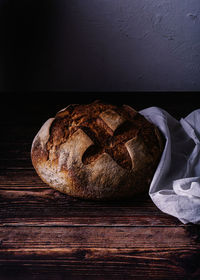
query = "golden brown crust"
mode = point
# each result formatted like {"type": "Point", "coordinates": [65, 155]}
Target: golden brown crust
{"type": "Point", "coordinates": [97, 151]}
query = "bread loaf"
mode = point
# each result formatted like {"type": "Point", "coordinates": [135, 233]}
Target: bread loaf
{"type": "Point", "coordinates": [97, 151]}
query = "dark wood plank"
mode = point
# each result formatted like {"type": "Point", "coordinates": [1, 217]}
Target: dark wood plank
{"type": "Point", "coordinates": [135, 268]}
{"type": "Point", "coordinates": [101, 264]}
{"type": "Point", "coordinates": [160, 253]}
{"type": "Point", "coordinates": [43, 237]}
{"type": "Point", "coordinates": [19, 177]}
{"type": "Point", "coordinates": [24, 199]}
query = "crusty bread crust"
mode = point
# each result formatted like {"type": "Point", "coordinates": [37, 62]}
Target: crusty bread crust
{"type": "Point", "coordinates": [97, 151]}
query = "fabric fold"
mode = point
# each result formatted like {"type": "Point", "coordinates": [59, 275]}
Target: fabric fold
{"type": "Point", "coordinates": [175, 188]}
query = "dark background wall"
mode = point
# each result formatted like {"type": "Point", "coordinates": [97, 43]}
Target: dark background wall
{"type": "Point", "coordinates": [100, 45]}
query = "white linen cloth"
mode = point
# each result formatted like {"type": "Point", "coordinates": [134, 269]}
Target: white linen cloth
{"type": "Point", "coordinates": [175, 188]}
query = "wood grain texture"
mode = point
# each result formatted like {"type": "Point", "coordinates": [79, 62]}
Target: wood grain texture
{"type": "Point", "coordinates": [102, 263]}
{"type": "Point", "coordinates": [156, 253]}
{"type": "Point", "coordinates": [48, 235]}
{"type": "Point", "coordinates": [94, 237]}
{"type": "Point", "coordinates": [25, 199]}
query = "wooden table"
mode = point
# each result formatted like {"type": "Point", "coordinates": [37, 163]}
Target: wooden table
{"type": "Point", "coordinates": [48, 235]}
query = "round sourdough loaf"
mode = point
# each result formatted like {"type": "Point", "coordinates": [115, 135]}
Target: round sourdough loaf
{"type": "Point", "coordinates": [97, 151]}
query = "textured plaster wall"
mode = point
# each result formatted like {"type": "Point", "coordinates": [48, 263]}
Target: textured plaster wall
{"type": "Point", "coordinates": [104, 45]}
